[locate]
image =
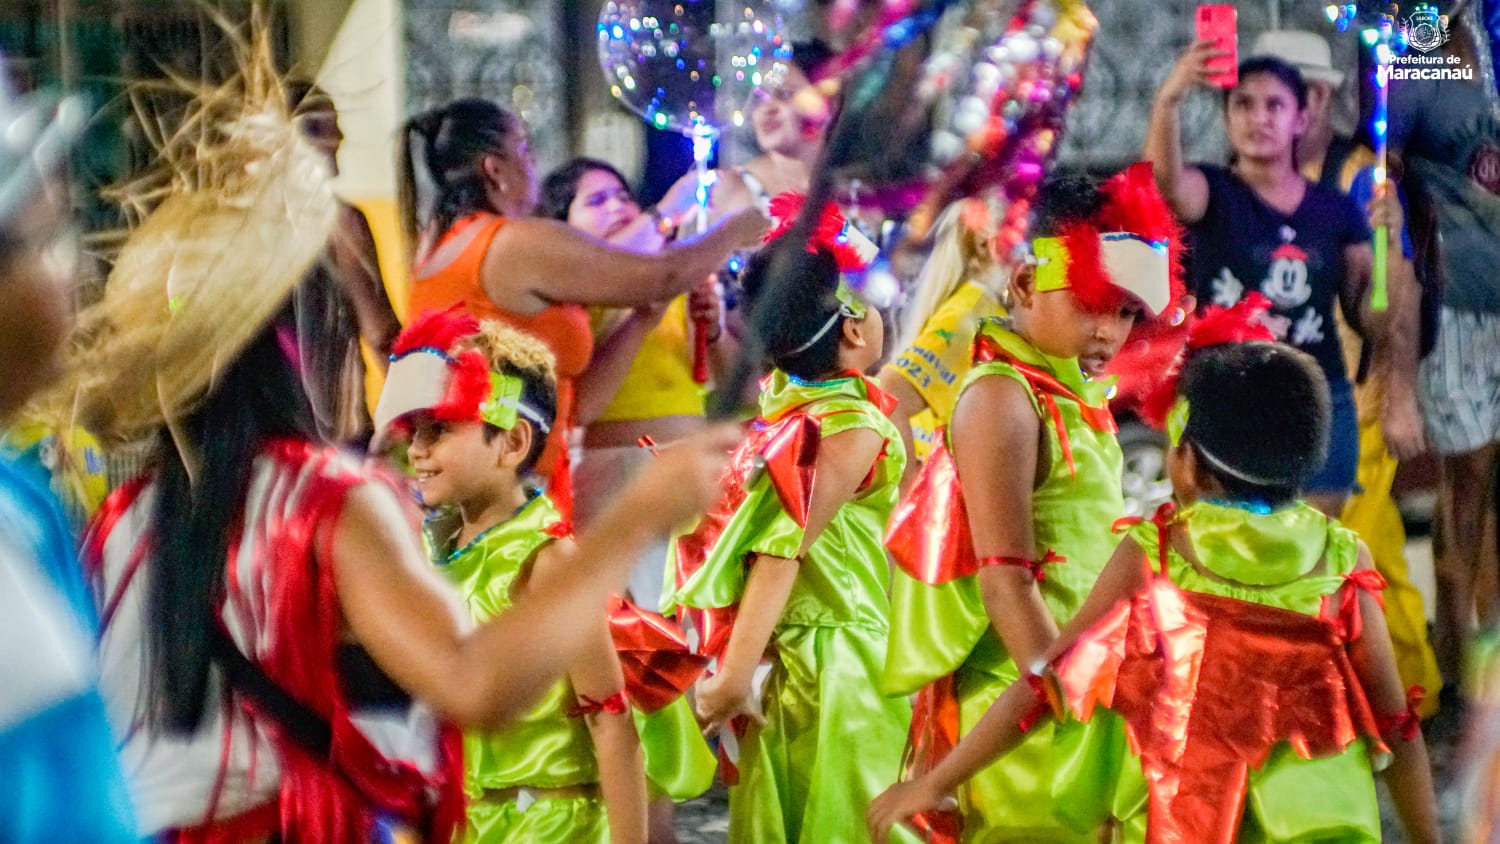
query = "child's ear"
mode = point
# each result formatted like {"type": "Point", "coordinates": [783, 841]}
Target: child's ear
{"type": "Point", "coordinates": [854, 333]}
{"type": "Point", "coordinates": [517, 444]}
{"type": "Point", "coordinates": [1182, 471]}
{"type": "Point", "coordinates": [1023, 285]}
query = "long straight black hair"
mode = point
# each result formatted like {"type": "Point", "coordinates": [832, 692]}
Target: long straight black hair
{"type": "Point", "coordinates": [257, 398]}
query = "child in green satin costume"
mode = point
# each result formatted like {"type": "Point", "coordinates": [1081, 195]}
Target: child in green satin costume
{"type": "Point", "coordinates": [795, 548]}
{"type": "Point", "coordinates": [1238, 641]}
{"type": "Point", "coordinates": [1025, 487]}
{"type": "Point", "coordinates": [571, 769]}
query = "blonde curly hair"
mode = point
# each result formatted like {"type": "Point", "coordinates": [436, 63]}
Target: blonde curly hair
{"type": "Point", "coordinates": [513, 352]}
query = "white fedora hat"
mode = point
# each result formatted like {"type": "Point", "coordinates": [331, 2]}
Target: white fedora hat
{"type": "Point", "coordinates": [1308, 51]}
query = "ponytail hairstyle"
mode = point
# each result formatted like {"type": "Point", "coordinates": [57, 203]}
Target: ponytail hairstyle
{"type": "Point", "coordinates": [960, 244]}
{"type": "Point", "coordinates": [454, 139]}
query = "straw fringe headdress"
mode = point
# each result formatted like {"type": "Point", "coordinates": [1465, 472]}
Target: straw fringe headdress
{"type": "Point", "coordinates": [236, 213]}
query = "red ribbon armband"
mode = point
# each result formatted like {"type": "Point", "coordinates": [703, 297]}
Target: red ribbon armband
{"type": "Point", "coordinates": [1033, 566]}
{"type": "Point", "coordinates": [1347, 618]}
{"type": "Point", "coordinates": [1163, 518]}
{"type": "Point", "coordinates": [614, 705]}
{"type": "Point", "coordinates": [1041, 708]}
{"type": "Point", "coordinates": [1407, 724]}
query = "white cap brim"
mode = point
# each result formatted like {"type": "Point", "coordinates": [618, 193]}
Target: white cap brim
{"type": "Point", "coordinates": [1139, 267]}
{"type": "Point", "coordinates": [418, 381]}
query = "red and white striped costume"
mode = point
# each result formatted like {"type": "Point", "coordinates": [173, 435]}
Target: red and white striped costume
{"type": "Point", "coordinates": [238, 774]}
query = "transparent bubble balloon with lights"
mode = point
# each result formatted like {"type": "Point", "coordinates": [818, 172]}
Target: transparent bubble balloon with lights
{"type": "Point", "coordinates": [690, 65]}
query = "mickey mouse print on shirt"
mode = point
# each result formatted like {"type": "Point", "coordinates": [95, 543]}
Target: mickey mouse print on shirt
{"type": "Point", "coordinates": [1295, 259]}
{"type": "Point", "coordinates": [1287, 287]}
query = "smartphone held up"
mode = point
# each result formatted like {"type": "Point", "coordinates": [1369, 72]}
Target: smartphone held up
{"type": "Point", "coordinates": [1218, 22]}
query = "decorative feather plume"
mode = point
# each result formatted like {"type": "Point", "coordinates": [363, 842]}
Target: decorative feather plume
{"type": "Point", "coordinates": [236, 211]}
{"type": "Point", "coordinates": [439, 330]}
{"type": "Point", "coordinates": [1134, 205]}
{"type": "Point", "coordinates": [830, 233]}
{"type": "Point", "coordinates": [468, 390]}
{"type": "Point", "coordinates": [1088, 281]}
{"type": "Point", "coordinates": [443, 331]}
{"type": "Point", "coordinates": [1240, 323]}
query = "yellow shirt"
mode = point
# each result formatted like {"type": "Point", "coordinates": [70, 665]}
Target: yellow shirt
{"type": "Point", "coordinates": [74, 462]}
{"type": "Point", "coordinates": [940, 357]}
{"type": "Point", "coordinates": [660, 382]}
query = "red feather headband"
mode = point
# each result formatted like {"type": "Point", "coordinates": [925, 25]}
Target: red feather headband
{"type": "Point", "coordinates": [1238, 324]}
{"type": "Point", "coordinates": [1132, 206]}
{"type": "Point", "coordinates": [434, 335]}
{"type": "Point", "coordinates": [851, 250]}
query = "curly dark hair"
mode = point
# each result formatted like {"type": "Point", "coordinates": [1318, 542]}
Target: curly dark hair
{"type": "Point", "coordinates": [1260, 410]}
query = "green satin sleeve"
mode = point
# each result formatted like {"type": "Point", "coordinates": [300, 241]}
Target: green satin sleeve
{"type": "Point", "coordinates": [485, 570]}
{"type": "Point", "coordinates": [847, 416]}
{"type": "Point", "coordinates": [933, 630]}
{"type": "Point", "coordinates": [678, 761]}
{"type": "Point", "coordinates": [759, 526]}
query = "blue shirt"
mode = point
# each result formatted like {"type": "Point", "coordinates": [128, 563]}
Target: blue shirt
{"type": "Point", "coordinates": [61, 779]}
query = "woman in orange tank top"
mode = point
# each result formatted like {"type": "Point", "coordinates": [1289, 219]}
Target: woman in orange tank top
{"type": "Point", "coordinates": [477, 248]}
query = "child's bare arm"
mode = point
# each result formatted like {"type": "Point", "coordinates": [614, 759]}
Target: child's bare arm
{"type": "Point", "coordinates": [909, 403]}
{"type": "Point", "coordinates": [844, 460]}
{"type": "Point", "coordinates": [1409, 776]}
{"type": "Point", "coordinates": [996, 434]}
{"type": "Point", "coordinates": [998, 732]}
{"type": "Point", "coordinates": [596, 677]}
{"type": "Point", "coordinates": [401, 610]}
{"type": "Point", "coordinates": [729, 692]}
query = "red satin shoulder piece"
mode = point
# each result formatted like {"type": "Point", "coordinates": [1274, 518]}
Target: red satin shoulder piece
{"type": "Point", "coordinates": [929, 534]}
{"type": "Point", "coordinates": [794, 457]}
{"type": "Point", "coordinates": [1173, 664]}
{"type": "Point", "coordinates": [789, 452]}
{"type": "Point", "coordinates": [654, 656]}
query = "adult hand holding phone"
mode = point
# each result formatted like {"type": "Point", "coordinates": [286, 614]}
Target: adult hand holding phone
{"type": "Point", "coordinates": [1197, 65]}
{"type": "Point", "coordinates": [1219, 23]}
